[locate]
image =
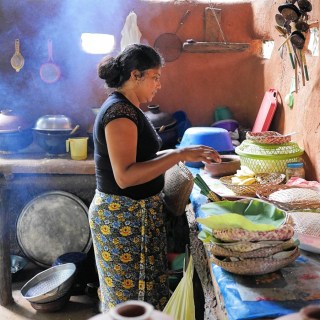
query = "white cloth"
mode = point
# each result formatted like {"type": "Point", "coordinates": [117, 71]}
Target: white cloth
{"type": "Point", "coordinates": [130, 32]}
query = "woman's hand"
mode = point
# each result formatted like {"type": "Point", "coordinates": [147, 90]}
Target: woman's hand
{"type": "Point", "coordinates": [199, 153]}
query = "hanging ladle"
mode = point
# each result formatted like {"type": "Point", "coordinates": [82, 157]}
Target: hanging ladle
{"type": "Point", "coordinates": [280, 20]}
{"type": "Point", "coordinates": [283, 33]}
{"type": "Point", "coordinates": [17, 60]}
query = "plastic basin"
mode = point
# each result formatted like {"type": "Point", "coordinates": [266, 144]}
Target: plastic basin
{"type": "Point", "coordinates": [217, 138]}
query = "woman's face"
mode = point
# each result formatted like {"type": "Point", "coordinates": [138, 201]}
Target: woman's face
{"type": "Point", "coordinates": [148, 85]}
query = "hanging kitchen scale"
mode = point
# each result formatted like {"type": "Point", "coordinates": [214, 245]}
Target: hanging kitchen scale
{"type": "Point", "coordinates": [17, 60]}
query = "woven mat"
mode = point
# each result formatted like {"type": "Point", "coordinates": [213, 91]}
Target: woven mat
{"type": "Point", "coordinates": [306, 223]}
{"type": "Point", "coordinates": [286, 201]}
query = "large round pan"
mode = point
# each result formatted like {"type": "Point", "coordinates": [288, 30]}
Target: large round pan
{"type": "Point", "coordinates": [52, 224]}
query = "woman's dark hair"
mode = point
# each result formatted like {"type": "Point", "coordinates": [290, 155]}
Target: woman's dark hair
{"type": "Point", "coordinates": [116, 71]}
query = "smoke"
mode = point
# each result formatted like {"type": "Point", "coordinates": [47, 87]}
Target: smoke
{"type": "Point", "coordinates": [35, 22]}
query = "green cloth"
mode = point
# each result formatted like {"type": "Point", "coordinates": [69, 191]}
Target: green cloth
{"type": "Point", "coordinates": [254, 215]}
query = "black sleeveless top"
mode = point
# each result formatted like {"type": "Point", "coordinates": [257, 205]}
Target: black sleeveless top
{"type": "Point", "coordinates": [149, 143]}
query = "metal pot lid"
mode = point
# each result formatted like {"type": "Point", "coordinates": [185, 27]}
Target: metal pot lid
{"type": "Point", "coordinates": [51, 122]}
{"type": "Point", "coordinates": [53, 131]}
{"type": "Point", "coordinates": [53, 224]}
{"type": "Point", "coordinates": [10, 122]}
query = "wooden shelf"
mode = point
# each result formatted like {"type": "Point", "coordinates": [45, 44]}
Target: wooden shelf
{"type": "Point", "coordinates": [212, 32]}
{"type": "Point", "coordinates": [214, 47]}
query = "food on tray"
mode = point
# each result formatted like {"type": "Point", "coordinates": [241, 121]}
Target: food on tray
{"type": "Point", "coordinates": [245, 182]}
{"type": "Point", "coordinates": [244, 176]}
{"type": "Point", "coordinates": [295, 195]}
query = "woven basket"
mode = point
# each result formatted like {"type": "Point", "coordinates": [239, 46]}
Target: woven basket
{"type": "Point", "coordinates": [254, 266]}
{"type": "Point", "coordinates": [250, 190]}
{"type": "Point", "coordinates": [264, 193]}
{"type": "Point", "coordinates": [178, 184]}
{"type": "Point", "coordinates": [268, 158]}
{"type": "Point", "coordinates": [267, 137]}
{"type": "Point", "coordinates": [264, 252]}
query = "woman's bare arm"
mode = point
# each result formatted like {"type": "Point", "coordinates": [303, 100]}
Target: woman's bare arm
{"type": "Point", "coordinates": [122, 135]}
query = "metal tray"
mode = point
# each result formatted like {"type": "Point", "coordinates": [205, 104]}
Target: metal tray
{"type": "Point", "coordinates": [53, 224]}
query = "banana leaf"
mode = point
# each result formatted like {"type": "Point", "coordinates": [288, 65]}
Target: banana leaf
{"type": "Point", "coordinates": [254, 215]}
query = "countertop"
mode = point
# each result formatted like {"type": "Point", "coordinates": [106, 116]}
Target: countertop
{"type": "Point", "coordinates": [38, 163]}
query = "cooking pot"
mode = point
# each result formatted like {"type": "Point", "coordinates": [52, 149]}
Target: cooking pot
{"type": "Point", "coordinates": [15, 132]}
{"type": "Point", "coordinates": [52, 142]}
{"type": "Point", "coordinates": [11, 122]}
{"type": "Point", "coordinates": [160, 120]}
{"type": "Point", "coordinates": [15, 141]}
{"type": "Point", "coordinates": [165, 125]}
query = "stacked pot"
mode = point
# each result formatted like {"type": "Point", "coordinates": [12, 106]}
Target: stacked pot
{"type": "Point", "coordinates": [15, 132]}
{"type": "Point", "coordinates": [52, 131]}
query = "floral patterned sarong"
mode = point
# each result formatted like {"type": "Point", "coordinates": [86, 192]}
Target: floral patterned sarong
{"type": "Point", "coordinates": [130, 247]}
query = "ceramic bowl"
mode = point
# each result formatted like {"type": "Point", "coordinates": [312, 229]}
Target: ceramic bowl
{"type": "Point", "coordinates": [229, 165]}
{"type": "Point", "coordinates": [52, 306]}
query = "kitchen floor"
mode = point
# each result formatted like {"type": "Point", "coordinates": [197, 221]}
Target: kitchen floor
{"type": "Point", "coordinates": [80, 307]}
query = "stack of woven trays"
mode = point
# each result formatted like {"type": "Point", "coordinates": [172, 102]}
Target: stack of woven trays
{"type": "Point", "coordinates": [245, 252]}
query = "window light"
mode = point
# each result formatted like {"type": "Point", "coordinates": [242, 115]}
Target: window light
{"type": "Point", "coordinates": [267, 48]}
{"type": "Point", "coordinates": [97, 43]}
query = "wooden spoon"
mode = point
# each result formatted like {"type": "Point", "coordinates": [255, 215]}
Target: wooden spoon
{"type": "Point", "coordinates": [75, 129]}
{"type": "Point", "coordinates": [17, 60]}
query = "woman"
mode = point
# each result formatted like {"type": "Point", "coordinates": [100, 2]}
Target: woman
{"type": "Point", "coordinates": [126, 214]}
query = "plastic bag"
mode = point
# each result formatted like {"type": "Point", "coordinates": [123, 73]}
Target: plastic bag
{"type": "Point", "coordinates": [181, 304]}
{"type": "Point", "coordinates": [130, 32]}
